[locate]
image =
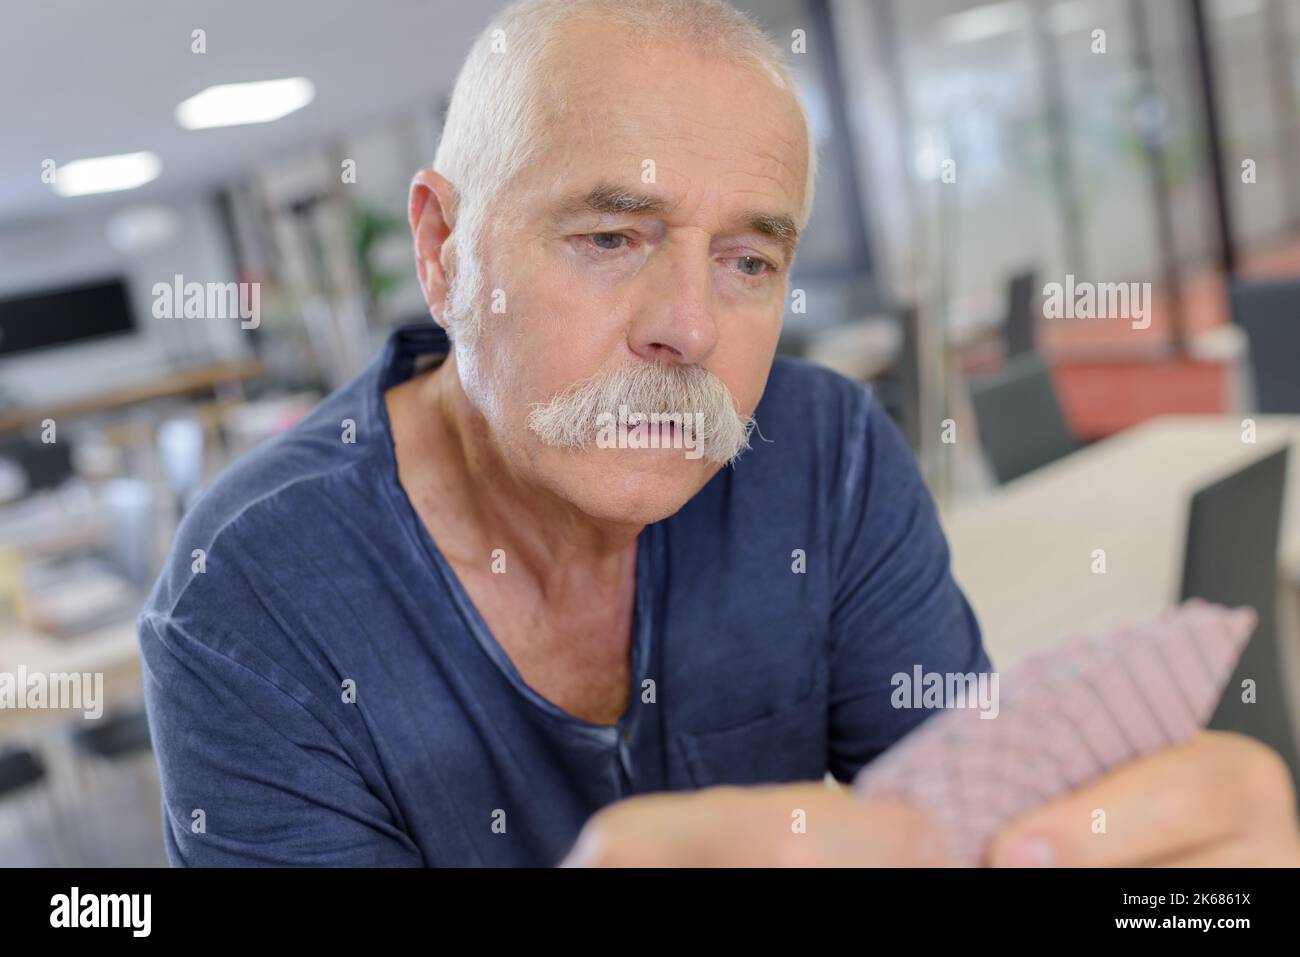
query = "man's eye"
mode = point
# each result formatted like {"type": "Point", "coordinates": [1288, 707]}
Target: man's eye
{"type": "Point", "coordinates": [608, 241]}
{"type": "Point", "coordinates": [753, 266]}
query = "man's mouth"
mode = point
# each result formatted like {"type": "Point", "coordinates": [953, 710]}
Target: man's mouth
{"type": "Point", "coordinates": [643, 432]}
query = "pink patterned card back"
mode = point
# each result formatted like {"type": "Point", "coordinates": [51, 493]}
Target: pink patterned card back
{"type": "Point", "coordinates": [1062, 718]}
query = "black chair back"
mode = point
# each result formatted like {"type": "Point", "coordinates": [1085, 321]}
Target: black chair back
{"type": "Point", "coordinates": [1022, 426]}
{"type": "Point", "coordinates": [115, 737]}
{"type": "Point", "coordinates": [1231, 559]}
{"type": "Point", "coordinates": [1024, 306]}
{"type": "Point", "coordinates": [19, 768]}
{"type": "Point", "coordinates": [1269, 311]}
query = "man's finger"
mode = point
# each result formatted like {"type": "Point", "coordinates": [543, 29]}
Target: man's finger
{"type": "Point", "coordinates": [1181, 799]}
{"type": "Point", "coordinates": [806, 825]}
{"type": "Point", "coordinates": [1248, 853]}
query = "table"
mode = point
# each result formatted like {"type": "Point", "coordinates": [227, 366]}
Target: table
{"type": "Point", "coordinates": [113, 650]}
{"type": "Point", "coordinates": [180, 383]}
{"type": "Point", "coordinates": [1024, 553]}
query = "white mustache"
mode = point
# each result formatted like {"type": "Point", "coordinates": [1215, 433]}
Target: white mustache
{"type": "Point", "coordinates": [570, 420]}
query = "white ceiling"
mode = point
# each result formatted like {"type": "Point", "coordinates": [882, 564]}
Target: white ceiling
{"type": "Point", "coordinates": [81, 79]}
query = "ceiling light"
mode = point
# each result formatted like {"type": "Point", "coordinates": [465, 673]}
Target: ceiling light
{"type": "Point", "coordinates": [105, 174]}
{"type": "Point", "coordinates": [139, 229]}
{"type": "Point", "coordinates": [235, 104]}
{"type": "Point", "coordinates": [984, 22]}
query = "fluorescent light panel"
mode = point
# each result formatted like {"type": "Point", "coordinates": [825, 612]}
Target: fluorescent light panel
{"type": "Point", "coordinates": [984, 22]}
{"type": "Point", "coordinates": [106, 174]}
{"type": "Point", "coordinates": [237, 104]}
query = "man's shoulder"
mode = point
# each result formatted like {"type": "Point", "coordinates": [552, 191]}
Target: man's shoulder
{"type": "Point", "coordinates": [811, 408]}
{"type": "Point", "coordinates": [286, 479]}
{"type": "Point", "coordinates": [338, 434]}
{"type": "Point", "coordinates": [799, 376]}
{"type": "Point", "coordinates": [820, 439]}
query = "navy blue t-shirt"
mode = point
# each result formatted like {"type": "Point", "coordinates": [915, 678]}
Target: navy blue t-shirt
{"type": "Point", "coordinates": [322, 691]}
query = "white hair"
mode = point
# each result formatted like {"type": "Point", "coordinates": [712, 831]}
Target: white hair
{"type": "Point", "coordinates": [491, 130]}
{"type": "Point", "coordinates": [696, 400]}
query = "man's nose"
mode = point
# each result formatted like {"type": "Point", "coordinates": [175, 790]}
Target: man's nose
{"type": "Point", "coordinates": [676, 322]}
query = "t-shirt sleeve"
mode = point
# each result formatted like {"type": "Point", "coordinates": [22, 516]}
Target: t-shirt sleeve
{"type": "Point", "coordinates": [896, 603]}
{"type": "Point", "coordinates": [252, 772]}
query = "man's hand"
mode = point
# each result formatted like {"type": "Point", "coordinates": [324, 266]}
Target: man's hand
{"type": "Point", "coordinates": [1221, 800]}
{"type": "Point", "coordinates": [788, 825]}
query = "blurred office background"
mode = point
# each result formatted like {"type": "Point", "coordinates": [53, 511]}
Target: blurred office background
{"type": "Point", "coordinates": [972, 154]}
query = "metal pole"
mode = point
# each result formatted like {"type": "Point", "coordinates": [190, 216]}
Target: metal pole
{"type": "Point", "coordinates": [1153, 128]}
{"type": "Point", "coordinates": [1214, 138]}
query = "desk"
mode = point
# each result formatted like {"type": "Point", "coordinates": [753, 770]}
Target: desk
{"type": "Point", "coordinates": [184, 382]}
{"type": "Point", "coordinates": [113, 650]}
{"type": "Point", "coordinates": [1023, 554]}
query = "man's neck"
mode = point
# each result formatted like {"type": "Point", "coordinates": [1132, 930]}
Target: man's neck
{"type": "Point", "coordinates": [550, 537]}
{"type": "Point", "coordinates": [563, 612]}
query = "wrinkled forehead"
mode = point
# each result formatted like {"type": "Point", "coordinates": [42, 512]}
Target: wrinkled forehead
{"type": "Point", "coordinates": [656, 113]}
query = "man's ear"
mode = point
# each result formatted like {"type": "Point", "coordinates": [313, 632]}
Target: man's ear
{"type": "Point", "coordinates": [432, 214]}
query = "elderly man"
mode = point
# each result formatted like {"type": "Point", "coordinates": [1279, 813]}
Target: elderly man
{"type": "Point", "coordinates": [480, 595]}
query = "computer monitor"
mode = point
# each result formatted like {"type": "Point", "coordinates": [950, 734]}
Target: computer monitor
{"type": "Point", "coordinates": [41, 319]}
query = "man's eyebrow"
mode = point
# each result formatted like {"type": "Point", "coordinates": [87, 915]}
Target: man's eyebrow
{"type": "Point", "coordinates": [609, 198]}
{"type": "Point", "coordinates": [612, 199]}
{"type": "Point", "coordinates": [775, 226]}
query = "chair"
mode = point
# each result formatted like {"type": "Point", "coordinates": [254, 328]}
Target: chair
{"type": "Point", "coordinates": [32, 832]}
{"type": "Point", "coordinates": [899, 390]}
{"type": "Point", "coordinates": [116, 737]}
{"type": "Point", "coordinates": [1024, 306]}
{"type": "Point", "coordinates": [118, 780]}
{"type": "Point", "coordinates": [1269, 312]}
{"type": "Point", "coordinates": [1021, 424]}
{"type": "Point", "coordinates": [1231, 559]}
{"type": "Point", "coordinates": [46, 465]}
{"type": "Point", "coordinates": [19, 768]}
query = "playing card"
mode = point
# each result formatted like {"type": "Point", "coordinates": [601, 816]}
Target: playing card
{"type": "Point", "coordinates": [1064, 717]}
